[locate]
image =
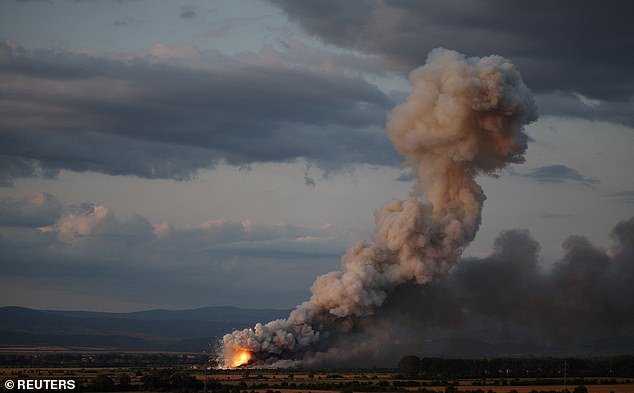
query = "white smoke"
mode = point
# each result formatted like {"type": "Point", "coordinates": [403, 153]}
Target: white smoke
{"type": "Point", "coordinates": [464, 116]}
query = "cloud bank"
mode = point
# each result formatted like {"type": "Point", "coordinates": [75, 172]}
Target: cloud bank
{"type": "Point", "coordinates": [86, 250]}
{"type": "Point", "coordinates": [170, 111]}
{"type": "Point", "coordinates": [578, 50]}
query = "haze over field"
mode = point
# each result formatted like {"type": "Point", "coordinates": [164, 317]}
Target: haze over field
{"type": "Point", "coordinates": [187, 154]}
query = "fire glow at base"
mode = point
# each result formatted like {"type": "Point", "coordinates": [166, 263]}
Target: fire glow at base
{"type": "Point", "coordinates": [239, 357]}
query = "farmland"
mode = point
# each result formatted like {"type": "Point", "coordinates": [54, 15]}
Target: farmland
{"type": "Point", "coordinates": [147, 371]}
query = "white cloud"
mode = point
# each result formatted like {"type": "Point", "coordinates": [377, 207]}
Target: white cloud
{"type": "Point", "coordinates": [90, 246]}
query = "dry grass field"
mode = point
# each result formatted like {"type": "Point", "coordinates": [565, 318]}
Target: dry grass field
{"type": "Point", "coordinates": [194, 371]}
{"type": "Point", "coordinates": [277, 378]}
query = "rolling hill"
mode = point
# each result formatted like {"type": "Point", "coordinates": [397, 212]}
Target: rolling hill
{"type": "Point", "coordinates": [166, 330]}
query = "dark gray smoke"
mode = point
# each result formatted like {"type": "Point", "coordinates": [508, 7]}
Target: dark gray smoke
{"type": "Point", "coordinates": [583, 298]}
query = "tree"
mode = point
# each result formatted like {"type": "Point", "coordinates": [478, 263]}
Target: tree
{"type": "Point", "coordinates": [102, 383]}
{"type": "Point", "coordinates": [184, 381]}
{"type": "Point", "coordinates": [409, 365]}
{"type": "Point", "coordinates": [125, 382]}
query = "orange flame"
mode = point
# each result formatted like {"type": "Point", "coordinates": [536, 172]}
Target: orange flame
{"type": "Point", "coordinates": [240, 357]}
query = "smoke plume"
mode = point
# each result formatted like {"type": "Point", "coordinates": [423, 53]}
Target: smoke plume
{"type": "Point", "coordinates": [506, 303]}
{"type": "Point", "coordinates": [463, 117]}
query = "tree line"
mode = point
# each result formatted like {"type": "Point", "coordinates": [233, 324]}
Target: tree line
{"type": "Point", "coordinates": [412, 366]}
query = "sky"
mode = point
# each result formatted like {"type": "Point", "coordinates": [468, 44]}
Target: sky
{"type": "Point", "coordinates": [178, 154]}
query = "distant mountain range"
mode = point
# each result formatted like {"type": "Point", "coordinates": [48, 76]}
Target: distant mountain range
{"type": "Point", "coordinates": [195, 330]}
{"type": "Point", "coordinates": [156, 330]}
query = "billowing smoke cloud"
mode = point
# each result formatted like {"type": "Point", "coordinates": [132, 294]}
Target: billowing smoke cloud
{"type": "Point", "coordinates": [508, 303]}
{"type": "Point", "coordinates": [464, 116]}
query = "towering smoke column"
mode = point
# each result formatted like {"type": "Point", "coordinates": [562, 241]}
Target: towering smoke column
{"type": "Point", "coordinates": [464, 116]}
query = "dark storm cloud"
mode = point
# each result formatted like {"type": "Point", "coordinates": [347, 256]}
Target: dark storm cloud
{"type": "Point", "coordinates": [558, 174]}
{"type": "Point", "coordinates": [44, 153]}
{"type": "Point", "coordinates": [176, 110]}
{"type": "Point", "coordinates": [12, 167]}
{"type": "Point", "coordinates": [508, 296]}
{"type": "Point", "coordinates": [574, 105]}
{"type": "Point", "coordinates": [559, 46]}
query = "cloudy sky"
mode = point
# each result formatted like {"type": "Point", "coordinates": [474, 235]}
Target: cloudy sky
{"type": "Point", "coordinates": [192, 153]}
